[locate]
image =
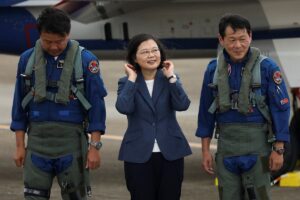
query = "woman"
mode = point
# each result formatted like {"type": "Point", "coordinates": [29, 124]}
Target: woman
{"type": "Point", "coordinates": [154, 145]}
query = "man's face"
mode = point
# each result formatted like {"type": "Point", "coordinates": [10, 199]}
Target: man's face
{"type": "Point", "coordinates": [54, 44]}
{"type": "Point", "coordinates": [236, 43]}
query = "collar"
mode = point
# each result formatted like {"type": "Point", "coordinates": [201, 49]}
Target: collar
{"type": "Point", "coordinates": [244, 61]}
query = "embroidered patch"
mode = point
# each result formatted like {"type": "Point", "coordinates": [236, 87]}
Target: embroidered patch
{"type": "Point", "coordinates": [284, 101]}
{"type": "Point", "coordinates": [94, 67]}
{"type": "Point", "coordinates": [277, 77]}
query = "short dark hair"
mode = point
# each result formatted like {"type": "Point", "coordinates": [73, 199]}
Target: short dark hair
{"type": "Point", "coordinates": [135, 42]}
{"type": "Point", "coordinates": [53, 20]}
{"type": "Point", "coordinates": [235, 22]}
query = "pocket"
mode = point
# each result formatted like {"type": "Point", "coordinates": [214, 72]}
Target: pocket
{"type": "Point", "coordinates": [132, 136]}
{"type": "Point", "coordinates": [175, 133]}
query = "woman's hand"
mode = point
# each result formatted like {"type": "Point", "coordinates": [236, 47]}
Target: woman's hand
{"type": "Point", "coordinates": [130, 72]}
{"type": "Point", "coordinates": [168, 68]}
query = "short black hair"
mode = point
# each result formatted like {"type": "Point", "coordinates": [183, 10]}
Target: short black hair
{"type": "Point", "coordinates": [53, 20]}
{"type": "Point", "coordinates": [235, 21]}
{"type": "Point", "coordinates": [135, 42]}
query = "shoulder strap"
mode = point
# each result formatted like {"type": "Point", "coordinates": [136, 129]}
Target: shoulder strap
{"type": "Point", "coordinates": [213, 107]}
{"type": "Point", "coordinates": [256, 75]}
{"type": "Point", "coordinates": [259, 100]}
{"type": "Point", "coordinates": [78, 64]}
{"type": "Point", "coordinates": [28, 78]}
{"type": "Point", "coordinates": [78, 90]}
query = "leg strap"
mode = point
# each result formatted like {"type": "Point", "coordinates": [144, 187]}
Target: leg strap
{"type": "Point", "coordinates": [36, 192]}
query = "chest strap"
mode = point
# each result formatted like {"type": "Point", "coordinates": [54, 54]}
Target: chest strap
{"type": "Point", "coordinates": [62, 96]}
{"type": "Point", "coordinates": [251, 77]}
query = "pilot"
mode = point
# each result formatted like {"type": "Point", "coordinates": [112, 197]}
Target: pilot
{"type": "Point", "coordinates": [58, 100]}
{"type": "Point", "coordinates": [244, 98]}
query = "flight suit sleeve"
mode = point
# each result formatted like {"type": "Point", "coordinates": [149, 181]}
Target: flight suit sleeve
{"type": "Point", "coordinates": [95, 92]}
{"type": "Point", "coordinates": [279, 103]}
{"type": "Point", "coordinates": [206, 120]}
{"type": "Point", "coordinates": [18, 114]}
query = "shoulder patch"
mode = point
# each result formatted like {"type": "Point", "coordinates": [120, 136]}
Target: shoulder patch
{"type": "Point", "coordinates": [94, 67]}
{"type": "Point", "coordinates": [284, 101]}
{"type": "Point", "coordinates": [277, 78]}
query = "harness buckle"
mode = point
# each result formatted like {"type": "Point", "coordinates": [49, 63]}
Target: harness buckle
{"type": "Point", "coordinates": [217, 132]}
{"type": "Point", "coordinates": [80, 80]}
{"type": "Point", "coordinates": [25, 76]}
{"type": "Point", "coordinates": [234, 96]}
{"type": "Point", "coordinates": [212, 86]}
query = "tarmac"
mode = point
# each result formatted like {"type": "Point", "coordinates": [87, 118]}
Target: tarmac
{"type": "Point", "coordinates": [108, 181]}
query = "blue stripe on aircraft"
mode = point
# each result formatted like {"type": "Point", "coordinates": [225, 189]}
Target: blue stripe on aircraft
{"type": "Point", "coordinates": [17, 30]}
{"type": "Point", "coordinates": [9, 2]}
{"type": "Point", "coordinates": [18, 34]}
{"type": "Point", "coordinates": [191, 43]}
{"type": "Point", "coordinates": [276, 33]}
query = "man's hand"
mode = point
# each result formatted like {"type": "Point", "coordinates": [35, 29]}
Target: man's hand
{"type": "Point", "coordinates": [93, 158]}
{"type": "Point", "coordinates": [275, 161]}
{"type": "Point", "coordinates": [19, 157]}
{"type": "Point", "coordinates": [207, 162]}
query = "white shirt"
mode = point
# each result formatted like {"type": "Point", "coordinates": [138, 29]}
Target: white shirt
{"type": "Point", "coordinates": [150, 84]}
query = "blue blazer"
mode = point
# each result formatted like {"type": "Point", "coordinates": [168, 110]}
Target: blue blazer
{"type": "Point", "coordinates": [150, 118]}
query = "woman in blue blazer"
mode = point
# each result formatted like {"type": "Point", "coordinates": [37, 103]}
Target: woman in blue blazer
{"type": "Point", "coordinates": [154, 145]}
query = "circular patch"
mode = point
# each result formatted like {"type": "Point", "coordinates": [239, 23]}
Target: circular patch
{"type": "Point", "coordinates": [277, 77]}
{"type": "Point", "coordinates": [284, 101]}
{"type": "Point", "coordinates": [94, 67]}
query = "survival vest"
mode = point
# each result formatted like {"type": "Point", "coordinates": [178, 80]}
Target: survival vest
{"type": "Point", "coordinates": [37, 90]}
{"type": "Point", "coordinates": [248, 96]}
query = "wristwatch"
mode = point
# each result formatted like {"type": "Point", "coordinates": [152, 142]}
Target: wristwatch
{"type": "Point", "coordinates": [172, 76]}
{"type": "Point", "coordinates": [97, 145]}
{"type": "Point", "coordinates": [279, 150]}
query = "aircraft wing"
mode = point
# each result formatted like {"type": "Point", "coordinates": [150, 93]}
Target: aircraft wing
{"type": "Point", "coordinates": [86, 11]}
{"type": "Point", "coordinates": [27, 3]}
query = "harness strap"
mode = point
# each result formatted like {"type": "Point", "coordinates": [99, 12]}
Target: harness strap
{"type": "Point", "coordinates": [243, 96]}
{"type": "Point", "coordinates": [257, 99]}
{"type": "Point", "coordinates": [81, 98]}
{"type": "Point", "coordinates": [78, 90]}
{"type": "Point", "coordinates": [36, 192]}
{"type": "Point", "coordinates": [40, 73]}
{"type": "Point", "coordinates": [64, 83]}
{"type": "Point", "coordinates": [28, 97]}
{"type": "Point", "coordinates": [255, 83]}
{"type": "Point", "coordinates": [264, 110]}
{"type": "Point", "coordinates": [28, 71]}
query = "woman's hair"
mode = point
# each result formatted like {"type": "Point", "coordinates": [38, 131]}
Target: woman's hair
{"type": "Point", "coordinates": [135, 42]}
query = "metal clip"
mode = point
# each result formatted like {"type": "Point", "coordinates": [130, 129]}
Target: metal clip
{"type": "Point", "coordinates": [25, 76]}
{"type": "Point", "coordinates": [80, 80]}
{"type": "Point", "coordinates": [89, 191]}
{"type": "Point", "coordinates": [60, 64]}
{"type": "Point", "coordinates": [234, 96]}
